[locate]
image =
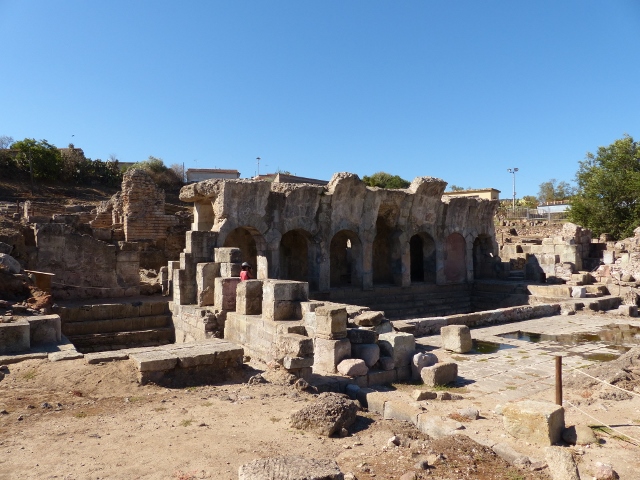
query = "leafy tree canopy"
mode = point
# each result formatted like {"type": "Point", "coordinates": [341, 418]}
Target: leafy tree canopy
{"type": "Point", "coordinates": [608, 195]}
{"type": "Point", "coordinates": [163, 176]}
{"type": "Point", "coordinates": [456, 188]}
{"type": "Point", "coordinates": [44, 158]}
{"type": "Point", "coordinates": [385, 180]}
{"type": "Point", "coordinates": [553, 191]}
{"type": "Point", "coordinates": [5, 141]}
{"type": "Point", "coordinates": [528, 201]}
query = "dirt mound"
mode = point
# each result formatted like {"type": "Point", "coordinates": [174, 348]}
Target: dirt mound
{"type": "Point", "coordinates": [624, 372]}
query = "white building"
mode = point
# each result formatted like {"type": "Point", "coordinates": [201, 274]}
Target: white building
{"type": "Point", "coordinates": [199, 174]}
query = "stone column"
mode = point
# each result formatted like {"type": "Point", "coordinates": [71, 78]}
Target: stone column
{"type": "Point", "coordinates": [203, 217]}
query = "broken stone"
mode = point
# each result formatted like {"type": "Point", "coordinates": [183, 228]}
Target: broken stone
{"type": "Point", "coordinates": [469, 413]}
{"type": "Point", "coordinates": [533, 421]}
{"type": "Point", "coordinates": [353, 367]}
{"type": "Point", "coordinates": [8, 264]}
{"type": "Point", "coordinates": [327, 415]}
{"type": "Point", "coordinates": [604, 471]}
{"type": "Point", "coordinates": [419, 361]}
{"type": "Point", "coordinates": [579, 435]}
{"type": "Point", "coordinates": [369, 352]}
{"type": "Point", "coordinates": [507, 453]}
{"type": "Point", "coordinates": [368, 319]}
{"type": "Point", "coordinates": [562, 466]}
{"type": "Point", "coordinates": [439, 374]}
{"type": "Point", "coordinates": [420, 395]}
{"type": "Point", "coordinates": [290, 468]}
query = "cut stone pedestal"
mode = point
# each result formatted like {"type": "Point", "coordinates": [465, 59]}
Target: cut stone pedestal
{"type": "Point", "coordinates": [535, 422]}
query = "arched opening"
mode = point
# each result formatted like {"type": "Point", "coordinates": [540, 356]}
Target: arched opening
{"type": "Point", "coordinates": [483, 259]}
{"type": "Point", "coordinates": [422, 249]}
{"type": "Point", "coordinates": [455, 259]}
{"type": "Point", "coordinates": [294, 256]}
{"type": "Point", "coordinates": [346, 259]}
{"type": "Point", "coordinates": [382, 245]}
{"type": "Point", "coordinates": [252, 246]}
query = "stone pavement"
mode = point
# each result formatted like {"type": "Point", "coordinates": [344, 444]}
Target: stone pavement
{"type": "Point", "coordinates": [522, 369]}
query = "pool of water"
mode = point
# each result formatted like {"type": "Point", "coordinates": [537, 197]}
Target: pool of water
{"type": "Point", "coordinates": [615, 335]}
{"type": "Point", "coordinates": [480, 346]}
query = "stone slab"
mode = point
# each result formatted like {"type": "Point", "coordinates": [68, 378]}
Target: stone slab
{"type": "Point", "coordinates": [154, 360]}
{"type": "Point", "coordinates": [104, 357]}
{"type": "Point", "coordinates": [290, 468]}
{"type": "Point", "coordinates": [65, 355]}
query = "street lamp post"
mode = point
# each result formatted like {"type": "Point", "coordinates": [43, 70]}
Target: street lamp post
{"type": "Point", "coordinates": [513, 171]}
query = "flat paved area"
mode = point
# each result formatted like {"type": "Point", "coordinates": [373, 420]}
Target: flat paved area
{"type": "Point", "coordinates": [522, 369]}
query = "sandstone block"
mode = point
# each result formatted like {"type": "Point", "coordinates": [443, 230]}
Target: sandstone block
{"type": "Point", "coordinates": [292, 363]}
{"type": "Point", "coordinates": [419, 361]}
{"type": "Point", "coordinates": [628, 310]}
{"type": "Point", "coordinates": [578, 292]}
{"type": "Point", "coordinates": [369, 352]}
{"type": "Point", "coordinates": [579, 435]}
{"type": "Point", "coordinates": [227, 255]}
{"type": "Point", "coordinates": [561, 463]}
{"type": "Point", "coordinates": [533, 421]}
{"type": "Point", "coordinates": [44, 329]}
{"type": "Point", "coordinates": [228, 269]}
{"type": "Point", "coordinates": [329, 353]}
{"type": "Point", "coordinates": [386, 363]}
{"type": "Point", "coordinates": [385, 326]}
{"type": "Point", "coordinates": [14, 337]}
{"type": "Point", "coordinates": [154, 360]}
{"type": "Point", "coordinates": [281, 310]}
{"type": "Point", "coordinates": [420, 395]}
{"type": "Point", "coordinates": [437, 427]}
{"type": "Point", "coordinates": [360, 335]}
{"type": "Point", "coordinates": [294, 345]}
{"type": "Point", "coordinates": [402, 411]}
{"type": "Point", "coordinates": [439, 374]}
{"type": "Point", "coordinates": [249, 297]}
{"type": "Point", "coordinates": [375, 401]}
{"type": "Point", "coordinates": [331, 322]}
{"type": "Point", "coordinates": [352, 367]}
{"type": "Point", "coordinates": [290, 290]}
{"type": "Point", "coordinates": [368, 319]}
{"type": "Point", "coordinates": [456, 338]}
{"type": "Point", "coordinates": [225, 293]}
{"type": "Point", "coordinates": [383, 377]}
{"type": "Point", "coordinates": [290, 468]}
{"type": "Point", "coordinates": [400, 346]}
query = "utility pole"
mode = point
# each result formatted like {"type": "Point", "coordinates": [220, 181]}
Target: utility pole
{"type": "Point", "coordinates": [258, 162]}
{"type": "Point", "coordinates": [513, 171]}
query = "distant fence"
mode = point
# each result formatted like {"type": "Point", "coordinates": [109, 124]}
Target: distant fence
{"type": "Point", "coordinates": [534, 214]}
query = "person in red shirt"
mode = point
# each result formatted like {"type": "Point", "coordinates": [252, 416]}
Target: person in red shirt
{"type": "Point", "coordinates": [245, 274]}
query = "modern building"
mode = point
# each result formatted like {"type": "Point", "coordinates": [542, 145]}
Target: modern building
{"type": "Point", "coordinates": [484, 193]}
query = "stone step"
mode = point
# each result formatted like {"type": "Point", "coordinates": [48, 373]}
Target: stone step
{"type": "Point", "coordinates": [116, 325]}
{"type": "Point", "coordinates": [118, 340]}
{"type": "Point", "coordinates": [108, 311]}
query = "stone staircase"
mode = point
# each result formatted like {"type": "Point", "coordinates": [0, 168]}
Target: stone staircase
{"type": "Point", "coordinates": [417, 301]}
{"type": "Point", "coordinates": [111, 326]}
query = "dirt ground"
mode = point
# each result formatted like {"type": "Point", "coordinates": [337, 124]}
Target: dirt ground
{"type": "Point", "coordinates": [69, 420]}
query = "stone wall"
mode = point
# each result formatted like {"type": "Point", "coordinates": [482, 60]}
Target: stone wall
{"type": "Point", "coordinates": [84, 266]}
{"type": "Point", "coordinates": [342, 234]}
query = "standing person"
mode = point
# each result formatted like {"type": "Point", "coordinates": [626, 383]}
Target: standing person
{"type": "Point", "coordinates": [245, 274]}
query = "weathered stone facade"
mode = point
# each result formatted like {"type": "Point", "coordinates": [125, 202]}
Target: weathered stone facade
{"type": "Point", "coordinates": [342, 234]}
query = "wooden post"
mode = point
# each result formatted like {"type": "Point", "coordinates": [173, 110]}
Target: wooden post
{"type": "Point", "coordinates": [559, 380]}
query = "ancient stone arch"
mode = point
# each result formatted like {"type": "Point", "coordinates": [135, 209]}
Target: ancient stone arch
{"type": "Point", "coordinates": [422, 249]}
{"type": "Point", "coordinates": [455, 259]}
{"type": "Point", "coordinates": [296, 256]}
{"type": "Point", "coordinates": [253, 247]}
{"type": "Point", "coordinates": [346, 259]}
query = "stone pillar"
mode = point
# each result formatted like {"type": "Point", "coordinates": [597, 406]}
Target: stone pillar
{"type": "Point", "coordinates": [203, 217]}
{"type": "Point", "coordinates": [323, 265]}
{"type": "Point", "coordinates": [367, 265]}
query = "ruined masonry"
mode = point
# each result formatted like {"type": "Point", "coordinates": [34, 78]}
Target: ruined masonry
{"type": "Point", "coordinates": [307, 241]}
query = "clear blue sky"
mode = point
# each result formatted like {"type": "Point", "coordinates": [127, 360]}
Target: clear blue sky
{"type": "Point", "coordinates": [460, 90]}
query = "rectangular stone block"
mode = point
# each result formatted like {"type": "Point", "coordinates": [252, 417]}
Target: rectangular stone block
{"type": "Point", "coordinates": [297, 362]}
{"type": "Point", "coordinates": [399, 346]}
{"type": "Point", "coordinates": [230, 269]}
{"type": "Point", "coordinates": [456, 338]}
{"type": "Point", "coordinates": [44, 329]}
{"type": "Point", "coordinates": [281, 310]}
{"type": "Point", "coordinates": [329, 353]}
{"type": "Point", "coordinates": [154, 360]}
{"type": "Point", "coordinates": [227, 255]}
{"type": "Point", "coordinates": [274, 290]}
{"type": "Point", "coordinates": [14, 337]}
{"type": "Point", "coordinates": [382, 377]}
{"type": "Point", "coordinates": [331, 322]}
{"type": "Point", "coordinates": [535, 422]}
{"type": "Point", "coordinates": [249, 297]}
{"type": "Point", "coordinates": [375, 401]}
{"type": "Point", "coordinates": [360, 335]}
{"type": "Point", "coordinates": [206, 273]}
{"type": "Point", "coordinates": [225, 293]}
{"type": "Point", "coordinates": [439, 374]}
{"type": "Point", "coordinates": [294, 345]}
{"type": "Point", "coordinates": [402, 411]}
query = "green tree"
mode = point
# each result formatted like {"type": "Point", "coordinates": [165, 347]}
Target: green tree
{"type": "Point", "coordinates": [44, 158]}
{"type": "Point", "coordinates": [528, 201]}
{"type": "Point", "coordinates": [5, 141]}
{"type": "Point", "coordinates": [456, 188]}
{"type": "Point", "coordinates": [385, 180]}
{"type": "Point", "coordinates": [553, 191]}
{"type": "Point", "coordinates": [162, 175]}
{"type": "Point", "coordinates": [608, 194]}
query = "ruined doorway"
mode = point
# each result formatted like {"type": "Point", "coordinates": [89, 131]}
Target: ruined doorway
{"type": "Point", "coordinates": [346, 260]}
{"type": "Point", "coordinates": [294, 256]}
{"type": "Point", "coordinates": [382, 245]}
{"type": "Point", "coordinates": [422, 249]}
{"type": "Point", "coordinates": [455, 259]}
{"type": "Point", "coordinates": [252, 247]}
{"type": "Point", "coordinates": [483, 257]}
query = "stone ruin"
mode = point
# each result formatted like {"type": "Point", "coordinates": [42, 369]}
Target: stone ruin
{"type": "Point", "coordinates": [307, 241]}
